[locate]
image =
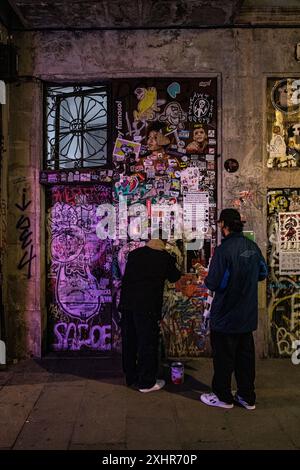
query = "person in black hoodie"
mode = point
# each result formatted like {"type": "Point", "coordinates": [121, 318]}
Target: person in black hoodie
{"type": "Point", "coordinates": [234, 272]}
{"type": "Point", "coordinates": [140, 304]}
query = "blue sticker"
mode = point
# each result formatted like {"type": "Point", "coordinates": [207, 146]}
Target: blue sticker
{"type": "Point", "coordinates": [173, 89]}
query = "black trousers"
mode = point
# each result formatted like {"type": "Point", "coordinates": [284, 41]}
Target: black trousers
{"type": "Point", "coordinates": [140, 339]}
{"type": "Point", "coordinates": [233, 353]}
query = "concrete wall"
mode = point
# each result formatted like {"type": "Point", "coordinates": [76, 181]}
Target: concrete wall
{"type": "Point", "coordinates": [242, 57]}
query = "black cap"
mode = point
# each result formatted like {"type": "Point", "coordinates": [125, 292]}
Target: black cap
{"type": "Point", "coordinates": [229, 215]}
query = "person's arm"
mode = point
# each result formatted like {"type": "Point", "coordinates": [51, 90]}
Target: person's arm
{"type": "Point", "coordinates": [173, 273]}
{"type": "Point", "coordinates": [218, 274]}
{"type": "Point", "coordinates": [263, 268]}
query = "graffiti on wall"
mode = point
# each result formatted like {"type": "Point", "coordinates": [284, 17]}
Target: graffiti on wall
{"type": "Point", "coordinates": [165, 145]}
{"type": "Point", "coordinates": [283, 123]}
{"type": "Point", "coordinates": [244, 193]}
{"type": "Point", "coordinates": [23, 227]}
{"type": "Point", "coordinates": [284, 278]}
{"type": "Point", "coordinates": [79, 270]}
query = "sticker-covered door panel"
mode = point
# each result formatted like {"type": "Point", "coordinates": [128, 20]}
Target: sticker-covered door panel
{"type": "Point", "coordinates": [78, 270]}
{"type": "Point", "coordinates": [165, 147]}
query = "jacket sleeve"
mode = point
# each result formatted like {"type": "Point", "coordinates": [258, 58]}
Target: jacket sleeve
{"type": "Point", "coordinates": [218, 274]}
{"type": "Point", "coordinates": [173, 273]}
{"type": "Point", "coordinates": [263, 269]}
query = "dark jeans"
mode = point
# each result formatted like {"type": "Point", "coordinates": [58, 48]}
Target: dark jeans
{"type": "Point", "coordinates": [233, 353]}
{"type": "Point", "coordinates": [140, 338]}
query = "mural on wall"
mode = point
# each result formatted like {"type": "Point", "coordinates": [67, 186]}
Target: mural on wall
{"type": "Point", "coordinates": [165, 144]}
{"type": "Point", "coordinates": [284, 269]}
{"type": "Point", "coordinates": [79, 268]}
{"type": "Point", "coordinates": [283, 122]}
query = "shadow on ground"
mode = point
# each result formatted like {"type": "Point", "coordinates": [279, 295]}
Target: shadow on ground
{"type": "Point", "coordinates": [101, 369]}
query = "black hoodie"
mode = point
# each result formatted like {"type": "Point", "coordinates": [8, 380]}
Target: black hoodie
{"type": "Point", "coordinates": [144, 279]}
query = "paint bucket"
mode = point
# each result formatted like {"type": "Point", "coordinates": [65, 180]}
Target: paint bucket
{"type": "Point", "coordinates": [177, 373]}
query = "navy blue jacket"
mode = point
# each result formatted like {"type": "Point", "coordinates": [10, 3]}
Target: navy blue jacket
{"type": "Point", "coordinates": [235, 269]}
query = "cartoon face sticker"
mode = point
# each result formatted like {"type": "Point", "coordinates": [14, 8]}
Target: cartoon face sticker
{"type": "Point", "coordinates": [200, 107]}
{"type": "Point", "coordinates": [173, 115]}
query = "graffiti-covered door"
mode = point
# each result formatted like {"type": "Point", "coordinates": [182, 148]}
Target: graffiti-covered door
{"type": "Point", "coordinates": [78, 270]}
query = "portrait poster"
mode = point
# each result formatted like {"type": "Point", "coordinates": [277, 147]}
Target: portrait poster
{"type": "Point", "coordinates": [289, 243]}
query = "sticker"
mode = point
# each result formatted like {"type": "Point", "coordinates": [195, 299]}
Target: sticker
{"type": "Point", "coordinates": [285, 95]}
{"type": "Point", "coordinates": [249, 234]}
{"type": "Point", "coordinates": [147, 105]}
{"type": "Point", "coordinates": [172, 162]}
{"type": "Point", "coordinates": [190, 179]}
{"type": "Point", "coordinates": [53, 178]}
{"type": "Point", "coordinates": [173, 115]}
{"type": "Point", "coordinates": [125, 148]}
{"type": "Point", "coordinates": [201, 108]}
{"type": "Point", "coordinates": [85, 177]}
{"type": "Point", "coordinates": [205, 83]}
{"type": "Point", "coordinates": [231, 165]}
{"type": "Point", "coordinates": [199, 143]}
{"type": "Point", "coordinates": [183, 134]}
{"type": "Point", "coordinates": [139, 168]}
{"type": "Point", "coordinates": [289, 243]}
{"type": "Point", "coordinates": [173, 89]}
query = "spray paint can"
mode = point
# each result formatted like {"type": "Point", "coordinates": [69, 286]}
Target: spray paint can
{"type": "Point", "coordinates": [177, 373]}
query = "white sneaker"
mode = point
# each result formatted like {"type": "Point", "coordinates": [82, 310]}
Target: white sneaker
{"type": "Point", "coordinates": [243, 403]}
{"type": "Point", "coordinates": [211, 399]}
{"type": "Point", "coordinates": [159, 384]}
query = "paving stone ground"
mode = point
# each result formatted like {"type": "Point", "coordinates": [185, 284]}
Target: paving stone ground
{"type": "Point", "coordinates": [61, 403]}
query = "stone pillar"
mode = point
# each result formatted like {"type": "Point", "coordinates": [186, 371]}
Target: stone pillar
{"type": "Point", "coordinates": [25, 282]}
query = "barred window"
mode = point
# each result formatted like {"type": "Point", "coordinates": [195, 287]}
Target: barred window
{"type": "Point", "coordinates": [77, 127]}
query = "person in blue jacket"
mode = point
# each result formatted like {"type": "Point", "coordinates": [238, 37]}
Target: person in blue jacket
{"type": "Point", "coordinates": [234, 272]}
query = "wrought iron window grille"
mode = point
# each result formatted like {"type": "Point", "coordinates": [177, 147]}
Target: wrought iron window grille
{"type": "Point", "coordinates": [76, 127]}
